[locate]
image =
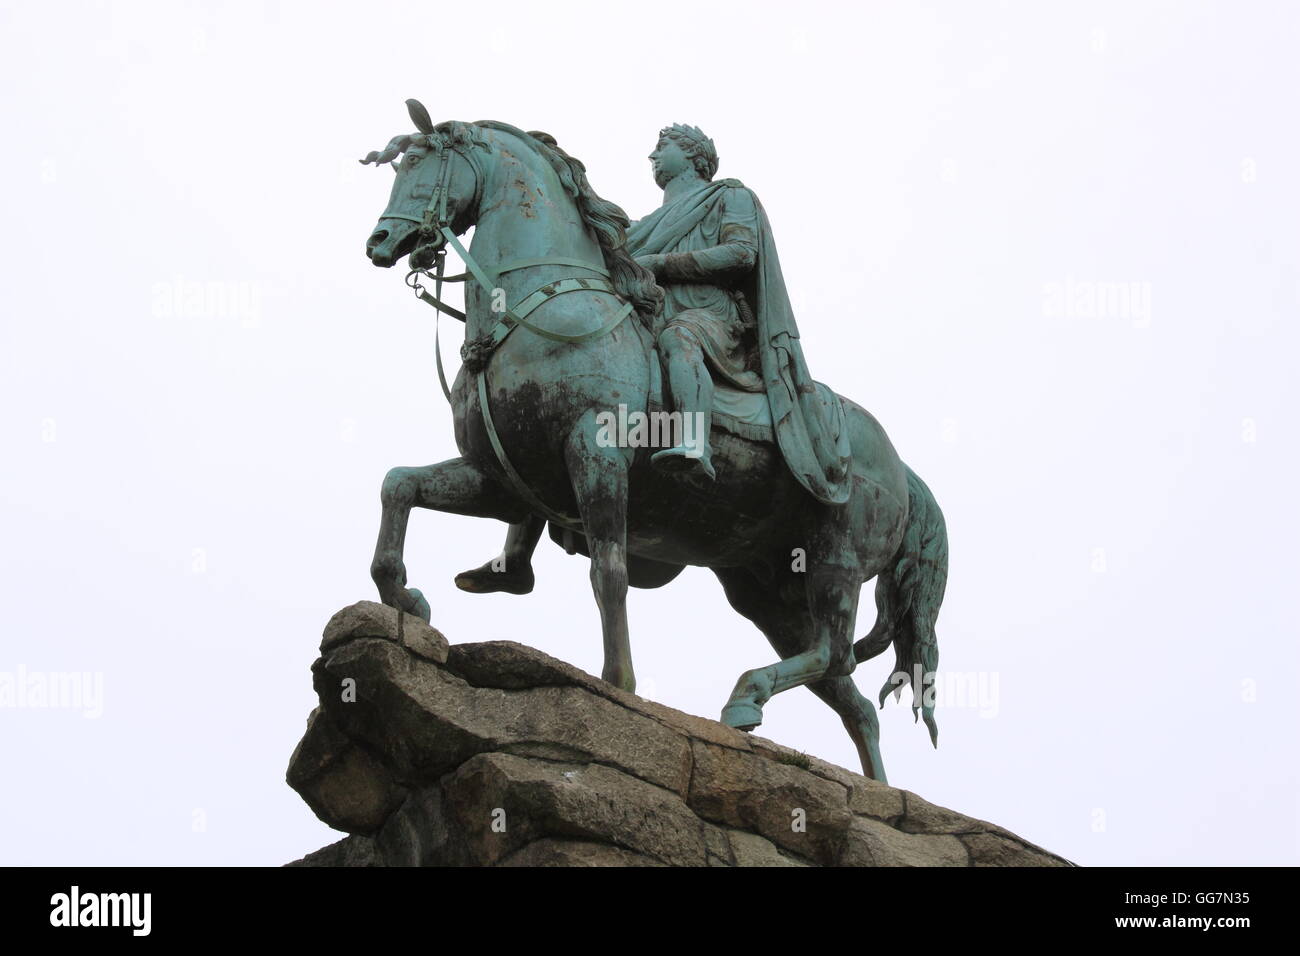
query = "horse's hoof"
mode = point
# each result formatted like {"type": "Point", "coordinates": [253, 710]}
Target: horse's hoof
{"type": "Point", "coordinates": [484, 580]}
{"type": "Point", "coordinates": [419, 606]}
{"type": "Point", "coordinates": [743, 715]}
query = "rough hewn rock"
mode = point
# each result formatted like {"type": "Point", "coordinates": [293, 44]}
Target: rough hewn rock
{"type": "Point", "coordinates": [872, 843]}
{"type": "Point", "coordinates": [1004, 849]}
{"type": "Point", "coordinates": [369, 619]}
{"type": "Point", "coordinates": [552, 852]}
{"type": "Point", "coordinates": [496, 754]}
{"type": "Point", "coordinates": [350, 851]}
{"type": "Point", "coordinates": [497, 803]}
{"type": "Point", "coordinates": [340, 781]}
{"type": "Point", "coordinates": [750, 849]}
{"type": "Point", "coordinates": [795, 809]}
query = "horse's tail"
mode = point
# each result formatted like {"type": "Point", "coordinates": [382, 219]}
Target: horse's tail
{"type": "Point", "coordinates": [908, 596]}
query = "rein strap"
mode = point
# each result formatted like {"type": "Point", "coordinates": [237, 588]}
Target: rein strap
{"type": "Point", "coordinates": [512, 318]}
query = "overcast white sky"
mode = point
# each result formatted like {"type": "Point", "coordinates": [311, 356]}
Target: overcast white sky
{"type": "Point", "coordinates": [204, 381]}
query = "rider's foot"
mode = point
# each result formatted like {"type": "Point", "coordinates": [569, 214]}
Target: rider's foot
{"type": "Point", "coordinates": [487, 579]}
{"type": "Point", "coordinates": [684, 460]}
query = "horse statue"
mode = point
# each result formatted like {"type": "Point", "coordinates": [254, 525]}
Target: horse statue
{"type": "Point", "coordinates": [558, 338]}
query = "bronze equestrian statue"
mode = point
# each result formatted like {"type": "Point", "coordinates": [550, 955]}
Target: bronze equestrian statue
{"type": "Point", "coordinates": [792, 495]}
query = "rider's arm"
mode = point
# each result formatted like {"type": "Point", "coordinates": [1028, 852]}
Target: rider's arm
{"type": "Point", "coordinates": [735, 254]}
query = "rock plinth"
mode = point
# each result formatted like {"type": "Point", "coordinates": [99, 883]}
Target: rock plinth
{"type": "Point", "coordinates": [495, 754]}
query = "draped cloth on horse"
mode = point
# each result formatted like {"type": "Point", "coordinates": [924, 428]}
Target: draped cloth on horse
{"type": "Point", "coordinates": [807, 416]}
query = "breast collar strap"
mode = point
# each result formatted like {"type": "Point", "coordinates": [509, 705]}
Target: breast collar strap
{"type": "Point", "coordinates": [435, 220]}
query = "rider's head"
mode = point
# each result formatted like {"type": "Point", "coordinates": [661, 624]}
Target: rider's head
{"type": "Point", "coordinates": [680, 146]}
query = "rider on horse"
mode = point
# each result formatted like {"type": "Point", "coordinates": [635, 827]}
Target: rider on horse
{"type": "Point", "coordinates": [726, 316]}
{"type": "Point", "coordinates": [817, 477]}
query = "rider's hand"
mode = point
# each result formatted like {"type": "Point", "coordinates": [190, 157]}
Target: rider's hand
{"type": "Point", "coordinates": [652, 262]}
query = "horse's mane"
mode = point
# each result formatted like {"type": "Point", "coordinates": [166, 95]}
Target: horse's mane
{"type": "Point", "coordinates": [607, 221]}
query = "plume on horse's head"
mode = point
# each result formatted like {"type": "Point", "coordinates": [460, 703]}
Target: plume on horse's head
{"type": "Point", "coordinates": [395, 148]}
{"type": "Point", "coordinates": [451, 133]}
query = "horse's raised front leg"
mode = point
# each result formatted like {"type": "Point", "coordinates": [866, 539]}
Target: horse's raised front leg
{"type": "Point", "coordinates": [599, 477]}
{"type": "Point", "coordinates": [455, 486]}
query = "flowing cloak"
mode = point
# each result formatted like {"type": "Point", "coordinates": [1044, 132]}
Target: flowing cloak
{"type": "Point", "coordinates": [807, 416]}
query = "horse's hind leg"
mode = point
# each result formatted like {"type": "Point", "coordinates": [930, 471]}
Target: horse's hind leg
{"type": "Point", "coordinates": [780, 611]}
{"type": "Point", "coordinates": [833, 588]}
{"type": "Point", "coordinates": [832, 607]}
{"type": "Point", "coordinates": [455, 486]}
{"type": "Point", "coordinates": [859, 717]}
{"type": "Point", "coordinates": [806, 634]}
{"type": "Point", "coordinates": [599, 477]}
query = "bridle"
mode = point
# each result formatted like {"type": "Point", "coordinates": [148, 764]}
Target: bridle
{"type": "Point", "coordinates": [435, 225]}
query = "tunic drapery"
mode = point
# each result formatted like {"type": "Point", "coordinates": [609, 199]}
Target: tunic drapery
{"type": "Point", "coordinates": [715, 242]}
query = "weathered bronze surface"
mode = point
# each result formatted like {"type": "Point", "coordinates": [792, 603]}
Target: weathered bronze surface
{"type": "Point", "coordinates": [584, 337]}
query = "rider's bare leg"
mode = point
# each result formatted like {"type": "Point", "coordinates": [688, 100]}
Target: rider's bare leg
{"type": "Point", "coordinates": [512, 570]}
{"type": "Point", "coordinates": [691, 387]}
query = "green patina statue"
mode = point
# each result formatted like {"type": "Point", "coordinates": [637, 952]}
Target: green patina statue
{"type": "Point", "coordinates": [641, 389]}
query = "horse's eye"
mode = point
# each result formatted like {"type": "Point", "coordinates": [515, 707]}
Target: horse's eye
{"type": "Point", "coordinates": [412, 161]}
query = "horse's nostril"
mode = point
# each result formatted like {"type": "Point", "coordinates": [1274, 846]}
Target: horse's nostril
{"type": "Point", "coordinates": [376, 239]}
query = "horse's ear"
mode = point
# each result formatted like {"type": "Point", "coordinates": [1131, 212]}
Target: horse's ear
{"type": "Point", "coordinates": [419, 116]}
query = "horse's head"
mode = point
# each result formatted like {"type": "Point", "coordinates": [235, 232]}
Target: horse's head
{"type": "Point", "coordinates": [439, 183]}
